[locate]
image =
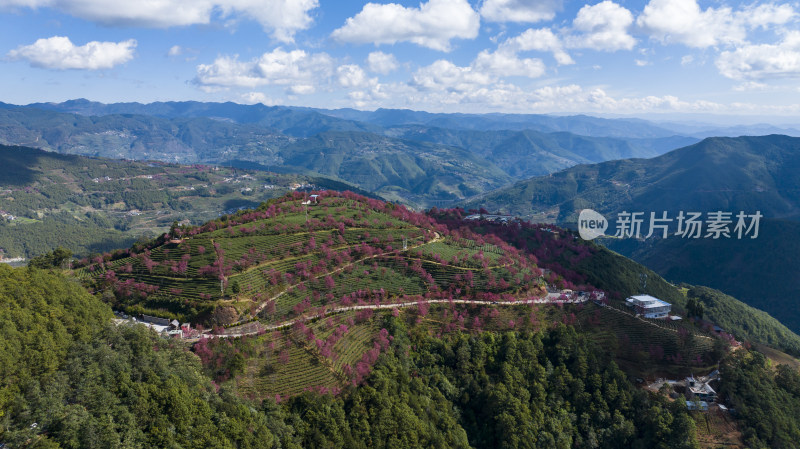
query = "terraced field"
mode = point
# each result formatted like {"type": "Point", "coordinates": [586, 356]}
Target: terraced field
{"type": "Point", "coordinates": [289, 362]}
{"type": "Point", "coordinates": [637, 338]}
{"type": "Point", "coordinates": [287, 258]}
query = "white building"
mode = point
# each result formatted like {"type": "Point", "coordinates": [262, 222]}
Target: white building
{"type": "Point", "coordinates": [495, 218]}
{"type": "Point", "coordinates": [648, 306]}
{"type": "Point", "coordinates": [313, 199]}
{"type": "Point", "coordinates": [699, 388]}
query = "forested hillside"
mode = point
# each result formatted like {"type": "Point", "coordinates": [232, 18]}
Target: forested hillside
{"type": "Point", "coordinates": [760, 272]}
{"type": "Point", "coordinates": [542, 389]}
{"type": "Point", "coordinates": [747, 174]}
{"type": "Point", "coordinates": [729, 174]}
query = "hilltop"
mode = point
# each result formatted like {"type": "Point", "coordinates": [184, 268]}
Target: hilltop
{"type": "Point", "coordinates": [277, 262]}
{"type": "Point", "coordinates": [354, 261]}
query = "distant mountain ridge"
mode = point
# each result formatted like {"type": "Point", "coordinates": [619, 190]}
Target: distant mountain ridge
{"type": "Point", "coordinates": [747, 173]}
{"type": "Point", "coordinates": [513, 151]}
{"type": "Point", "coordinates": [393, 163]}
{"type": "Point", "coordinates": [297, 122]}
{"type": "Point", "coordinates": [371, 121]}
{"type": "Point", "coordinates": [576, 124]}
{"type": "Point", "coordinates": [421, 165]}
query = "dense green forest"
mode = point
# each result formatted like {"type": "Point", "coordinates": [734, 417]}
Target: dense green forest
{"type": "Point", "coordinates": [39, 237]}
{"type": "Point", "coordinates": [72, 379]}
{"type": "Point", "coordinates": [728, 174]}
{"type": "Point", "coordinates": [756, 325]}
{"type": "Point", "coordinates": [766, 397]}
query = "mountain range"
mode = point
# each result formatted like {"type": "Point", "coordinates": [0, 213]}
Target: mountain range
{"type": "Point", "coordinates": [419, 158]}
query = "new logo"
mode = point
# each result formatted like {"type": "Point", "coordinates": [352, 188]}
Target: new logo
{"type": "Point", "coordinates": [591, 224]}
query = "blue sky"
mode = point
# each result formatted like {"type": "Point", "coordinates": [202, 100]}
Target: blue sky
{"type": "Point", "coordinates": [548, 56]}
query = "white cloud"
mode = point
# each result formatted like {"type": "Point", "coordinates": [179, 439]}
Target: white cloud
{"type": "Point", "coordinates": [380, 62]}
{"type": "Point", "coordinates": [763, 61]}
{"type": "Point", "coordinates": [486, 70]}
{"type": "Point", "coordinates": [444, 86]}
{"type": "Point", "coordinates": [364, 91]}
{"type": "Point", "coordinates": [603, 26]}
{"type": "Point", "coordinates": [540, 40]}
{"type": "Point", "coordinates": [256, 97]}
{"type": "Point", "coordinates": [298, 70]}
{"type": "Point", "coordinates": [506, 63]}
{"type": "Point", "coordinates": [373, 94]}
{"type": "Point", "coordinates": [687, 59]}
{"type": "Point", "coordinates": [764, 15]}
{"type": "Point", "coordinates": [432, 25]}
{"type": "Point", "coordinates": [351, 75]}
{"type": "Point", "coordinates": [444, 75]}
{"type": "Point", "coordinates": [302, 89]}
{"type": "Point", "coordinates": [682, 21]}
{"type": "Point", "coordinates": [642, 62]}
{"type": "Point", "coordinates": [283, 18]}
{"type": "Point", "coordinates": [58, 52]}
{"type": "Point", "coordinates": [175, 50]}
{"type": "Point", "coordinates": [750, 85]}
{"type": "Point", "coordinates": [520, 10]}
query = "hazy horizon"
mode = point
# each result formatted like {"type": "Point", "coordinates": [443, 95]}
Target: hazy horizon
{"type": "Point", "coordinates": [732, 58]}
